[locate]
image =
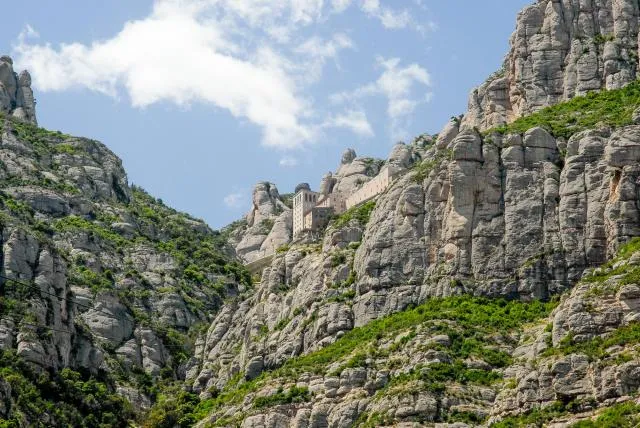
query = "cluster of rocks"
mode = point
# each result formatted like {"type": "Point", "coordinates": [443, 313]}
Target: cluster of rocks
{"type": "Point", "coordinates": [267, 226]}
{"type": "Point", "coordinates": [68, 322]}
{"type": "Point", "coordinates": [342, 395]}
{"type": "Point", "coordinates": [16, 96]}
{"type": "Point", "coordinates": [559, 49]}
{"type": "Point", "coordinates": [540, 378]}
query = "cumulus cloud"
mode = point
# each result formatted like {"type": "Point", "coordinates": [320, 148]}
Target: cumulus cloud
{"type": "Point", "coordinates": [238, 55]}
{"type": "Point", "coordinates": [398, 85]}
{"type": "Point", "coordinates": [354, 120]}
{"type": "Point", "coordinates": [234, 200]}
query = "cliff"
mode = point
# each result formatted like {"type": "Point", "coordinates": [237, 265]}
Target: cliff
{"type": "Point", "coordinates": [493, 283]}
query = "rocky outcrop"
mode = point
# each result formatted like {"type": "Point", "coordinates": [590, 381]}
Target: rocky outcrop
{"type": "Point", "coordinates": [559, 49]}
{"type": "Point", "coordinates": [569, 359]}
{"type": "Point", "coordinates": [517, 216]}
{"type": "Point", "coordinates": [353, 172]}
{"type": "Point", "coordinates": [96, 275]}
{"type": "Point", "coordinates": [269, 225]}
{"type": "Point", "coordinates": [16, 96]}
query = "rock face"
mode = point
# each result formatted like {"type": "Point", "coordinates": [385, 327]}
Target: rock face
{"type": "Point", "coordinates": [559, 49]}
{"type": "Point", "coordinates": [269, 225]}
{"type": "Point", "coordinates": [109, 279]}
{"type": "Point", "coordinates": [16, 96]}
{"type": "Point", "coordinates": [569, 359]}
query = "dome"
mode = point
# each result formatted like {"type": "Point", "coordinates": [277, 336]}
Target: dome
{"type": "Point", "coordinates": [302, 186]}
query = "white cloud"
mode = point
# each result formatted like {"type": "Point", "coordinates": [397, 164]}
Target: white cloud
{"type": "Point", "coordinates": [288, 161]}
{"type": "Point", "coordinates": [354, 120]}
{"type": "Point", "coordinates": [177, 55]}
{"type": "Point", "coordinates": [243, 56]}
{"type": "Point", "coordinates": [319, 51]}
{"type": "Point", "coordinates": [234, 200]}
{"type": "Point", "coordinates": [389, 18]}
{"type": "Point", "coordinates": [398, 85]}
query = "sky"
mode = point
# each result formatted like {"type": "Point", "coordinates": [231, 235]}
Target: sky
{"type": "Point", "coordinates": [202, 99]}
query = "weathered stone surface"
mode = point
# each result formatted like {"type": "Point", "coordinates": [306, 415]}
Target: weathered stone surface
{"type": "Point", "coordinates": [559, 49]}
{"type": "Point", "coordinates": [16, 96]}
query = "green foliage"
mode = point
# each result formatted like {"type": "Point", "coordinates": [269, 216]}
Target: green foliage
{"type": "Point", "coordinates": [361, 213]}
{"type": "Point", "coordinates": [474, 316]}
{"type": "Point", "coordinates": [475, 319]}
{"type": "Point", "coordinates": [612, 108]}
{"type": "Point", "coordinates": [74, 223]}
{"type": "Point", "coordinates": [282, 324]}
{"type": "Point", "coordinates": [536, 418]}
{"type": "Point", "coordinates": [421, 170]}
{"type": "Point", "coordinates": [596, 348]}
{"type": "Point", "coordinates": [199, 254]}
{"type": "Point", "coordinates": [174, 408]}
{"type": "Point", "coordinates": [66, 398]}
{"type": "Point", "coordinates": [293, 395]}
{"type": "Point", "coordinates": [601, 39]}
{"type": "Point", "coordinates": [65, 148]}
{"type": "Point", "coordinates": [282, 249]}
{"type": "Point", "coordinates": [623, 415]}
{"type": "Point", "coordinates": [85, 277]}
{"type": "Point", "coordinates": [338, 259]}
{"type": "Point", "coordinates": [344, 297]}
{"type": "Point", "coordinates": [42, 140]}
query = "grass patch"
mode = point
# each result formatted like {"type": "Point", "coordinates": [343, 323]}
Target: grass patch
{"type": "Point", "coordinates": [360, 213]}
{"type": "Point", "coordinates": [596, 348]}
{"type": "Point", "coordinates": [611, 108]}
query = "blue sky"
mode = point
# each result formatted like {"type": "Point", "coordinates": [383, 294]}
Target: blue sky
{"type": "Point", "coordinates": [204, 98]}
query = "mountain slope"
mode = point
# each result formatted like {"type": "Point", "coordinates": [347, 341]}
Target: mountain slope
{"type": "Point", "coordinates": [100, 282]}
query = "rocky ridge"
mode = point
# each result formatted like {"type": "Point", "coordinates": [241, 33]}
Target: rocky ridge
{"type": "Point", "coordinates": [559, 49]}
{"type": "Point", "coordinates": [502, 203]}
{"type": "Point", "coordinates": [102, 287]}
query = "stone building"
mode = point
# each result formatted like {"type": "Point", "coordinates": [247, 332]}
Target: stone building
{"type": "Point", "coordinates": [303, 201]}
{"type": "Point", "coordinates": [374, 187]}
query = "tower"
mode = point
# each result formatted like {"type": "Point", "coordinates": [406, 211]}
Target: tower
{"type": "Point", "coordinates": [303, 201]}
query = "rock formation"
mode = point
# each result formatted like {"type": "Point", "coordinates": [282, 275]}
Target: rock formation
{"type": "Point", "coordinates": [16, 96]}
{"type": "Point", "coordinates": [269, 225]}
{"type": "Point", "coordinates": [559, 49]}
{"type": "Point", "coordinates": [497, 280]}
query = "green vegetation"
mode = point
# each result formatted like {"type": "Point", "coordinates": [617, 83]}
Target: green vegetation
{"type": "Point", "coordinates": [344, 297]}
{"type": "Point", "coordinates": [475, 318]}
{"type": "Point", "coordinates": [596, 348]}
{"type": "Point", "coordinates": [199, 254]}
{"type": "Point", "coordinates": [338, 258]}
{"type": "Point", "coordinates": [361, 213]}
{"type": "Point", "coordinates": [74, 223]}
{"type": "Point", "coordinates": [293, 395]}
{"type": "Point", "coordinates": [601, 39]}
{"type": "Point", "coordinates": [623, 415]}
{"type": "Point", "coordinates": [66, 398]}
{"type": "Point", "coordinates": [469, 322]}
{"type": "Point", "coordinates": [617, 267]}
{"type": "Point", "coordinates": [537, 417]}
{"type": "Point", "coordinates": [611, 108]}
{"type": "Point", "coordinates": [422, 169]}
{"type": "Point", "coordinates": [282, 249]}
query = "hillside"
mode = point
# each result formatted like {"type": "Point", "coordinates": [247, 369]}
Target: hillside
{"type": "Point", "coordinates": [494, 282]}
{"type": "Point", "coordinates": [103, 288]}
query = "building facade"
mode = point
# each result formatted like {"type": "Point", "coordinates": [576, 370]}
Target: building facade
{"type": "Point", "coordinates": [373, 188]}
{"type": "Point", "coordinates": [312, 211]}
{"type": "Point", "coordinates": [303, 201]}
